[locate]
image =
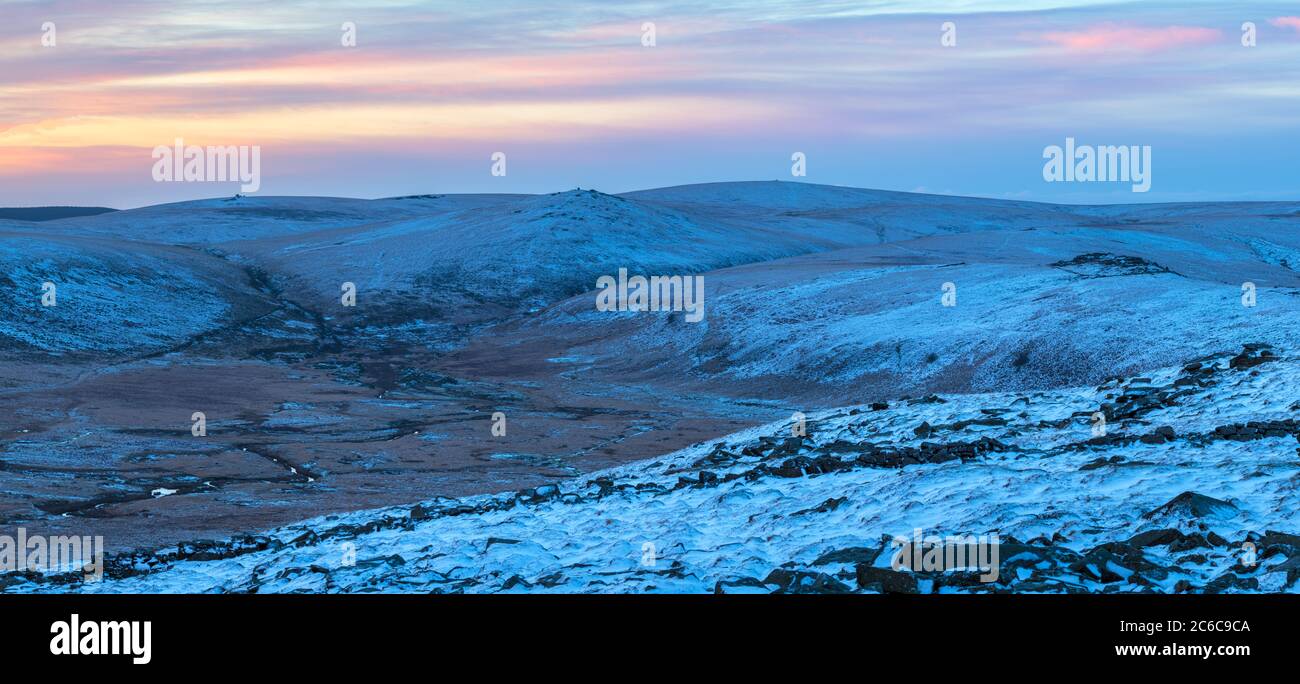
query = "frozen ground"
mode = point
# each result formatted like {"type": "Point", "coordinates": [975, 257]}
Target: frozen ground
{"type": "Point", "coordinates": [821, 300]}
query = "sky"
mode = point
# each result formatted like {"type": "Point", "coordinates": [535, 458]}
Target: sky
{"type": "Point", "coordinates": [574, 98]}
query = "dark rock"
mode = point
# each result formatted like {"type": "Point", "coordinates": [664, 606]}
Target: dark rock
{"type": "Point", "coordinates": [885, 580]}
{"type": "Point", "coordinates": [516, 581]}
{"type": "Point", "coordinates": [1103, 264]}
{"type": "Point", "coordinates": [852, 554]}
{"type": "Point", "coordinates": [1101, 565]}
{"type": "Point", "coordinates": [1195, 540]}
{"type": "Point", "coordinates": [499, 540]}
{"type": "Point", "coordinates": [1279, 542]}
{"type": "Point", "coordinates": [794, 467]}
{"type": "Point", "coordinates": [1292, 569]}
{"type": "Point", "coordinates": [1118, 560]}
{"type": "Point", "coordinates": [1192, 504]}
{"type": "Point", "coordinates": [308, 538]}
{"type": "Point", "coordinates": [1155, 537]}
{"type": "Point", "coordinates": [1230, 580]}
{"type": "Point", "coordinates": [1251, 357]}
{"type": "Point", "coordinates": [803, 582]}
{"type": "Point", "coordinates": [1101, 462]}
{"type": "Point", "coordinates": [825, 506]}
{"type": "Point", "coordinates": [540, 494]}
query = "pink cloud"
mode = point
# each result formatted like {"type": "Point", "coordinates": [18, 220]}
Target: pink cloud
{"type": "Point", "coordinates": [1286, 22]}
{"type": "Point", "coordinates": [1112, 37]}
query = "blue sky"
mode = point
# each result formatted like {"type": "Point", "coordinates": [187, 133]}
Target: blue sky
{"type": "Point", "coordinates": [567, 90]}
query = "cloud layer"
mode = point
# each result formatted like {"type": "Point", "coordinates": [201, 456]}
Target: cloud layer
{"type": "Point", "coordinates": [568, 90]}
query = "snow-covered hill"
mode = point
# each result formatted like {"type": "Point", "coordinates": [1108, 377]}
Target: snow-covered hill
{"type": "Point", "coordinates": [109, 297]}
{"type": "Point", "coordinates": [1054, 305]}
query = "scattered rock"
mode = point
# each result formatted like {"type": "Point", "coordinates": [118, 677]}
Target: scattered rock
{"type": "Point", "coordinates": [1252, 355]}
{"type": "Point", "coordinates": [885, 580]}
{"type": "Point", "coordinates": [852, 554]}
{"type": "Point", "coordinates": [802, 582]}
{"type": "Point", "coordinates": [1194, 505]}
{"type": "Point", "coordinates": [1162, 537]}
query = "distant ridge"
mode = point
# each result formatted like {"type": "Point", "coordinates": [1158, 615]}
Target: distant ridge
{"type": "Point", "coordinates": [49, 213]}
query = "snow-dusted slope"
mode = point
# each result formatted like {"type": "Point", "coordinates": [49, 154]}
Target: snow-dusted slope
{"type": "Point", "coordinates": [832, 216]}
{"type": "Point", "coordinates": [423, 263]}
{"type": "Point", "coordinates": [1051, 306]}
{"type": "Point", "coordinates": [489, 262]}
{"type": "Point", "coordinates": [1193, 489]}
{"type": "Point", "coordinates": [110, 297]}
{"type": "Point", "coordinates": [210, 222]}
